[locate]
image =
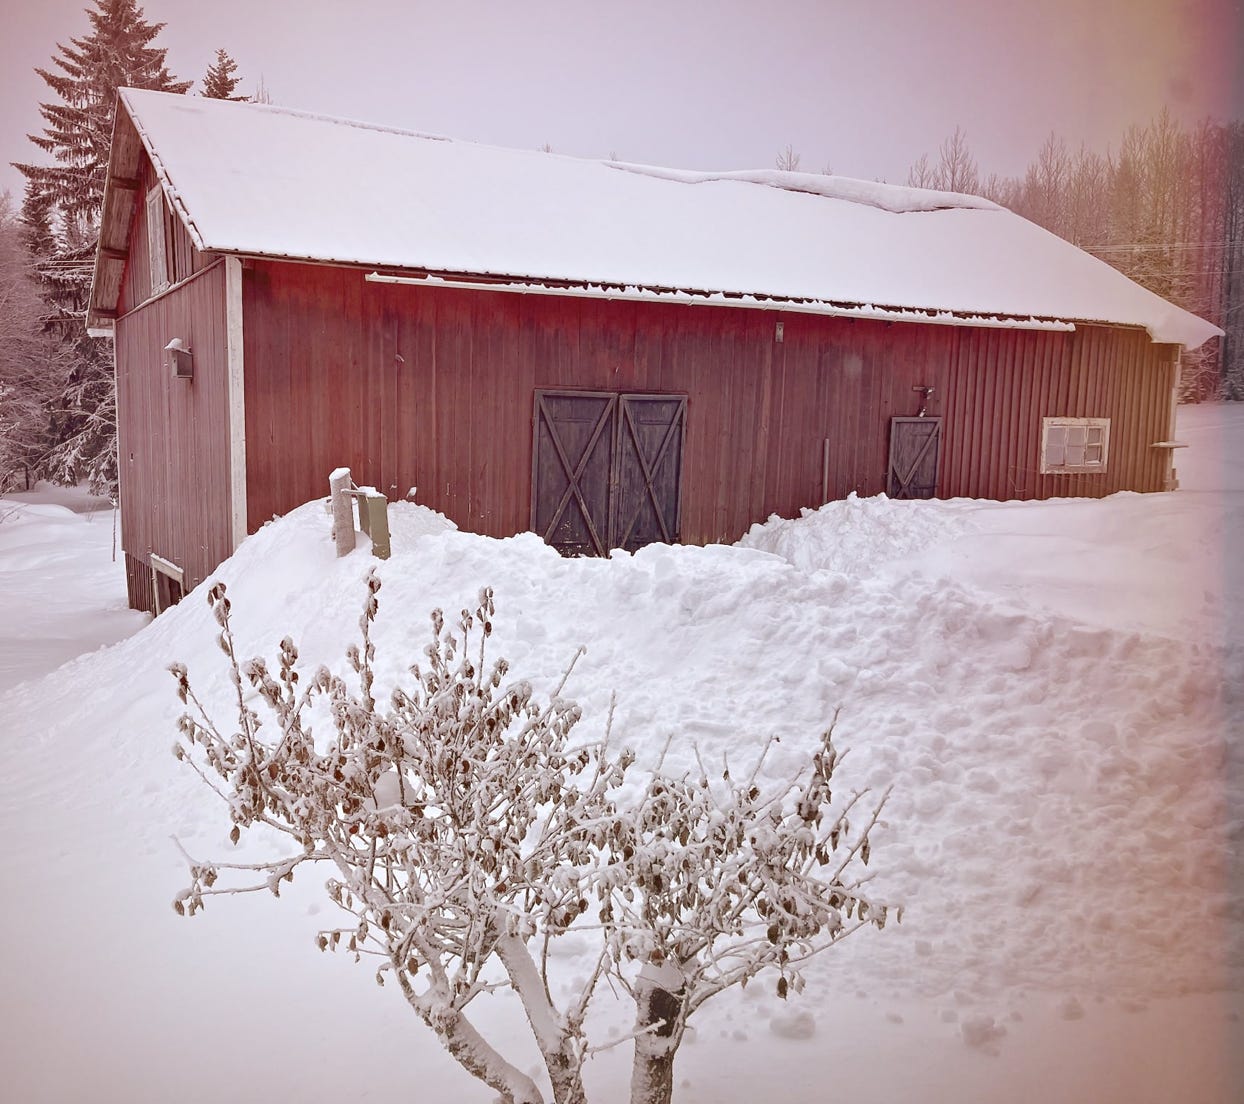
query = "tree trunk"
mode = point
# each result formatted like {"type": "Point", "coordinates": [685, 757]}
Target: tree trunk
{"type": "Point", "coordinates": [566, 1079]}
{"type": "Point", "coordinates": [478, 1058]}
{"type": "Point", "coordinates": [652, 1074]}
{"type": "Point", "coordinates": [659, 1024]}
{"type": "Point", "coordinates": [557, 1047]}
{"type": "Point", "coordinates": [472, 1052]}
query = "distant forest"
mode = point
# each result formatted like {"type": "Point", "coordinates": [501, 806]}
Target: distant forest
{"type": "Point", "coordinates": [1166, 209]}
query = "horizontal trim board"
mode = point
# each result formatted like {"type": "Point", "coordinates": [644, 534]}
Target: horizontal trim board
{"type": "Point", "coordinates": [167, 567]}
{"type": "Point", "coordinates": [168, 290]}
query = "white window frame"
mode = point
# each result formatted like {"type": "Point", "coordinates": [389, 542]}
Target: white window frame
{"type": "Point", "coordinates": [157, 249]}
{"type": "Point", "coordinates": [1075, 446]}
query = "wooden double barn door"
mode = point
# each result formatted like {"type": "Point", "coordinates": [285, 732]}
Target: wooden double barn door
{"type": "Point", "coordinates": [607, 470]}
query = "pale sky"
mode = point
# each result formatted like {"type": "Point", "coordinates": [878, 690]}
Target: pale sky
{"type": "Point", "coordinates": [860, 87]}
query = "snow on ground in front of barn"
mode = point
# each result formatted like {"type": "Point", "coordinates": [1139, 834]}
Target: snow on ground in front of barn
{"type": "Point", "coordinates": [60, 591]}
{"type": "Point", "coordinates": [1055, 690]}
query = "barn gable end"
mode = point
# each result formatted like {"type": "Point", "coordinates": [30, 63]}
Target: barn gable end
{"type": "Point", "coordinates": [173, 433]}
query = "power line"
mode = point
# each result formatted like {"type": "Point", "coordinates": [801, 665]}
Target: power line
{"type": "Point", "coordinates": [1137, 246]}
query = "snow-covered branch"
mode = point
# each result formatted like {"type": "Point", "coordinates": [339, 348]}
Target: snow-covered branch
{"type": "Point", "coordinates": [467, 833]}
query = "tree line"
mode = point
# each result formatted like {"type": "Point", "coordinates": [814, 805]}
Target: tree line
{"type": "Point", "coordinates": [1166, 209]}
{"type": "Point", "coordinates": [57, 391]}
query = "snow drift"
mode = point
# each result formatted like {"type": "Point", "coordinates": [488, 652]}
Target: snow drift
{"type": "Point", "coordinates": [1055, 691]}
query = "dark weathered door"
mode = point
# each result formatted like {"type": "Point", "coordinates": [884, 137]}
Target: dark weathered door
{"type": "Point", "coordinates": [648, 470]}
{"type": "Point", "coordinates": [606, 470]}
{"type": "Point", "coordinates": [572, 462]}
{"type": "Point", "coordinates": [915, 445]}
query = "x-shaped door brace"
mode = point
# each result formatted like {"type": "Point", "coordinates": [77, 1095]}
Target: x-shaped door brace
{"type": "Point", "coordinates": [574, 475]}
{"type": "Point", "coordinates": [648, 470]}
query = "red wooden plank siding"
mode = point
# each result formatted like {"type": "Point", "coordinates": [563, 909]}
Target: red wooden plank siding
{"type": "Point", "coordinates": [174, 433]}
{"type": "Point", "coordinates": [432, 387]}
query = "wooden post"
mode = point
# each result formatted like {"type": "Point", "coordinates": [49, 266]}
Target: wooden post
{"type": "Point", "coordinates": [343, 510]}
{"type": "Point", "coordinates": [374, 516]}
{"type": "Point", "coordinates": [1170, 477]}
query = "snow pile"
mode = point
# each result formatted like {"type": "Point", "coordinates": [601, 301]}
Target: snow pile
{"type": "Point", "coordinates": [1064, 829]}
{"type": "Point", "coordinates": [886, 197]}
{"type": "Point", "coordinates": [855, 534]}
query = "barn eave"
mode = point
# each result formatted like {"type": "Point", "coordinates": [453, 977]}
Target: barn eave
{"type": "Point", "coordinates": [121, 189]}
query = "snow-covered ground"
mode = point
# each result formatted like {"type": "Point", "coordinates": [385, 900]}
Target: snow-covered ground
{"type": "Point", "coordinates": [61, 592]}
{"type": "Point", "coordinates": [1055, 690]}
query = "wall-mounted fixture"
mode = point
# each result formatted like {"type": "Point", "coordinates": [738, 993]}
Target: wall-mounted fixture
{"type": "Point", "coordinates": [179, 359]}
{"type": "Point", "coordinates": [925, 392]}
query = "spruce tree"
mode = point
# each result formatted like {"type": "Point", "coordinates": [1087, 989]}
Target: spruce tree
{"type": "Point", "coordinates": [220, 83]}
{"type": "Point", "coordinates": [85, 76]}
{"type": "Point", "coordinates": [34, 225]}
{"type": "Point", "coordinates": [27, 360]}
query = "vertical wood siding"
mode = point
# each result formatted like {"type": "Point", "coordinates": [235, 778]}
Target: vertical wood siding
{"type": "Point", "coordinates": [433, 388]}
{"type": "Point", "coordinates": [138, 583]}
{"type": "Point", "coordinates": [173, 434]}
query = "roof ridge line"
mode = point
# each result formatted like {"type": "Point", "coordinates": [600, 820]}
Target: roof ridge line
{"type": "Point", "coordinates": [302, 113]}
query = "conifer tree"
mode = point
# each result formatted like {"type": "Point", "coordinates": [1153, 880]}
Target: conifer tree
{"type": "Point", "coordinates": [84, 76]}
{"type": "Point", "coordinates": [34, 225]}
{"type": "Point", "coordinates": [116, 54]}
{"type": "Point", "coordinates": [27, 362]}
{"type": "Point", "coordinates": [221, 81]}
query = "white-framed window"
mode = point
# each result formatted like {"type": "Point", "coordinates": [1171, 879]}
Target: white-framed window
{"type": "Point", "coordinates": [156, 249]}
{"type": "Point", "coordinates": [1074, 445]}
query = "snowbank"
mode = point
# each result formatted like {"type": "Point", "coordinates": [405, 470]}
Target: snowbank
{"type": "Point", "coordinates": [1064, 827]}
{"type": "Point", "coordinates": [857, 534]}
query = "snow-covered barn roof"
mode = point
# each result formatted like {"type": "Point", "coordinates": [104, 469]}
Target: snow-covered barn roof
{"type": "Point", "coordinates": [258, 180]}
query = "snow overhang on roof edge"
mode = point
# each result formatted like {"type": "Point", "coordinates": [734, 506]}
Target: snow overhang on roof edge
{"type": "Point", "coordinates": [931, 315]}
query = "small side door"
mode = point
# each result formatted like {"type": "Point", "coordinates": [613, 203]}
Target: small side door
{"type": "Point", "coordinates": [915, 448]}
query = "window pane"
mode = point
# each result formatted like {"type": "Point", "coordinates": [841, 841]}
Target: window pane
{"type": "Point", "coordinates": [1055, 446]}
{"type": "Point", "coordinates": [1075, 454]}
{"type": "Point", "coordinates": [155, 240]}
{"type": "Point", "coordinates": [1092, 454]}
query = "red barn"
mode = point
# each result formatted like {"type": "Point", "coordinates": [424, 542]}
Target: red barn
{"type": "Point", "coordinates": [607, 354]}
